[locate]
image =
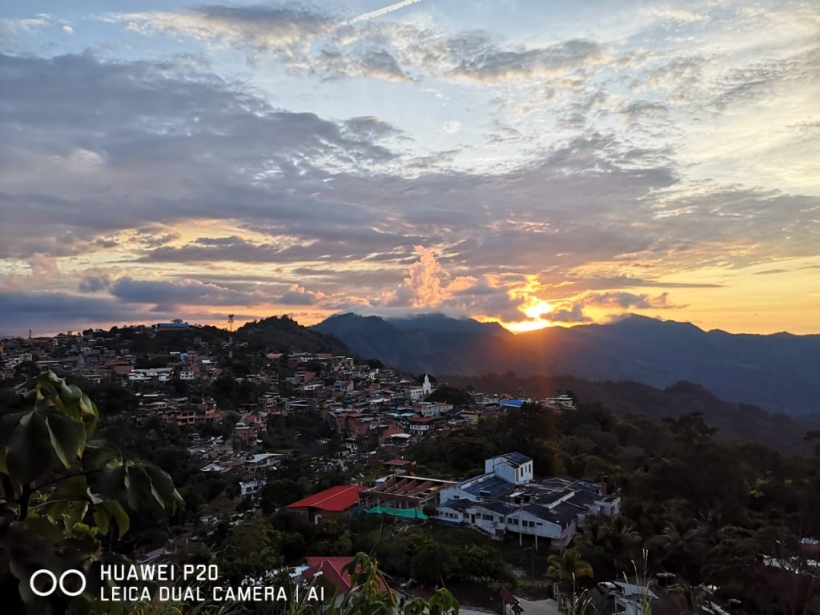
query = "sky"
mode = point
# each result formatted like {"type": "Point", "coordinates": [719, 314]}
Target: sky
{"type": "Point", "coordinates": [534, 163]}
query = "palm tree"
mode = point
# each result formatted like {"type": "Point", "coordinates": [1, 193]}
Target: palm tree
{"type": "Point", "coordinates": [688, 598]}
{"type": "Point", "coordinates": [682, 544]}
{"type": "Point", "coordinates": [568, 566]}
{"type": "Point", "coordinates": [620, 536]}
{"type": "Point", "coordinates": [592, 535]}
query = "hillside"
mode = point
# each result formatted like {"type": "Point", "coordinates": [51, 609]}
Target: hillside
{"type": "Point", "coordinates": [776, 372]}
{"type": "Point", "coordinates": [286, 335]}
{"type": "Point", "coordinates": [734, 421]}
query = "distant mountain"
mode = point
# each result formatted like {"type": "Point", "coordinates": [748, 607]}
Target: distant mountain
{"type": "Point", "coordinates": [430, 343]}
{"type": "Point", "coordinates": [734, 421]}
{"type": "Point", "coordinates": [286, 335]}
{"type": "Point", "coordinates": [776, 372]}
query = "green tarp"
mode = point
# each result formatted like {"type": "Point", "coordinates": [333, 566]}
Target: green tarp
{"type": "Point", "coordinates": [404, 513]}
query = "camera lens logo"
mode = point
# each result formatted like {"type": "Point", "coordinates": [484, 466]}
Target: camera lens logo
{"type": "Point", "coordinates": [55, 582]}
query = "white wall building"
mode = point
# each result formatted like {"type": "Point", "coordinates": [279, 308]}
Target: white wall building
{"type": "Point", "coordinates": [507, 499]}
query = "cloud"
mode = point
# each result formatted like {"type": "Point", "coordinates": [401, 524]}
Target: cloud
{"type": "Point", "coordinates": [176, 294]}
{"type": "Point", "coordinates": [770, 271]}
{"type": "Point", "coordinates": [93, 284]}
{"type": "Point", "coordinates": [495, 65]}
{"type": "Point", "coordinates": [569, 315]}
{"type": "Point", "coordinates": [383, 11]}
{"type": "Point", "coordinates": [628, 301]}
{"type": "Point", "coordinates": [43, 270]}
{"type": "Point", "coordinates": [299, 295]}
{"type": "Point", "coordinates": [452, 127]}
{"type": "Point", "coordinates": [281, 31]}
{"type": "Point", "coordinates": [68, 29]}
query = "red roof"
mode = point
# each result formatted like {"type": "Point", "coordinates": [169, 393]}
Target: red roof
{"type": "Point", "coordinates": [331, 569]}
{"type": "Point", "coordinates": [397, 462]}
{"type": "Point", "coordinates": [335, 499]}
{"type": "Point", "coordinates": [421, 419]}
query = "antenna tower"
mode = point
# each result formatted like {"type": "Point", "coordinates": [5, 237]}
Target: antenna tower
{"type": "Point", "coordinates": [230, 336]}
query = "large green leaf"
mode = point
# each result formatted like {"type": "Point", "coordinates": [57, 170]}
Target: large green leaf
{"type": "Point", "coordinates": [45, 528]}
{"type": "Point", "coordinates": [162, 488]}
{"type": "Point", "coordinates": [137, 487]}
{"type": "Point", "coordinates": [98, 454]}
{"type": "Point", "coordinates": [114, 510]}
{"type": "Point", "coordinates": [29, 449]}
{"type": "Point", "coordinates": [67, 437]}
{"type": "Point", "coordinates": [101, 519]}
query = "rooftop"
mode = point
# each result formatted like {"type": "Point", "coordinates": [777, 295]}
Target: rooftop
{"type": "Point", "coordinates": [335, 499]}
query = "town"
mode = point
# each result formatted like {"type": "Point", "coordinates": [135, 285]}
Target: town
{"type": "Point", "coordinates": [337, 444]}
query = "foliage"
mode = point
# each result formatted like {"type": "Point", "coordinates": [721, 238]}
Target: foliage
{"type": "Point", "coordinates": [568, 566]}
{"type": "Point", "coordinates": [63, 491]}
{"type": "Point", "coordinates": [251, 550]}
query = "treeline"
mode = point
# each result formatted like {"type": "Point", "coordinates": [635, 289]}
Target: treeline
{"type": "Point", "coordinates": [734, 421]}
{"type": "Point", "coordinates": [705, 509]}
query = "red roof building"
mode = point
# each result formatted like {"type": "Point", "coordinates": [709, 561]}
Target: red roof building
{"type": "Point", "coordinates": [330, 570]}
{"type": "Point", "coordinates": [336, 500]}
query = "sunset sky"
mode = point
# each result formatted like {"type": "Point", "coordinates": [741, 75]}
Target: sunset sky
{"type": "Point", "coordinates": [529, 162]}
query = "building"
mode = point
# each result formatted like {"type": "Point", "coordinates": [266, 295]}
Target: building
{"type": "Point", "coordinates": [251, 487]}
{"type": "Point", "coordinates": [343, 499]}
{"type": "Point", "coordinates": [331, 572]}
{"type": "Point", "coordinates": [506, 499]}
{"type": "Point", "coordinates": [398, 495]}
{"type": "Point", "coordinates": [419, 393]}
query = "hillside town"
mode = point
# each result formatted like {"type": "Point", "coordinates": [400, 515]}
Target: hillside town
{"type": "Point", "coordinates": [332, 441]}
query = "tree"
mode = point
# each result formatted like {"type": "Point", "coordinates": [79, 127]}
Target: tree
{"type": "Point", "coordinates": [278, 493]}
{"type": "Point", "coordinates": [620, 537]}
{"type": "Point", "coordinates": [62, 492]}
{"type": "Point", "coordinates": [367, 596]}
{"type": "Point", "coordinates": [568, 566]}
{"type": "Point", "coordinates": [251, 550]}
{"type": "Point", "coordinates": [688, 598]}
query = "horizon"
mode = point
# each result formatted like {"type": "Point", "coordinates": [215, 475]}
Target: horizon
{"type": "Point", "coordinates": [529, 163]}
{"type": "Point", "coordinates": [10, 336]}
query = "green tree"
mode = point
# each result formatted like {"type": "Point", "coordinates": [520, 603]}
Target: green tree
{"type": "Point", "coordinates": [62, 492]}
{"type": "Point", "coordinates": [568, 566]}
{"type": "Point", "coordinates": [251, 550]}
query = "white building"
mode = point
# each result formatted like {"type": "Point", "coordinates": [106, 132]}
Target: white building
{"type": "Point", "coordinates": [506, 499]}
{"type": "Point", "coordinates": [419, 393]}
{"type": "Point", "coordinates": [251, 487]}
{"type": "Point", "coordinates": [432, 409]}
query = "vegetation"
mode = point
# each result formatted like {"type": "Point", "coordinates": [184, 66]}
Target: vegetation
{"type": "Point", "coordinates": [67, 496]}
{"type": "Point", "coordinates": [705, 509]}
{"type": "Point", "coordinates": [63, 494]}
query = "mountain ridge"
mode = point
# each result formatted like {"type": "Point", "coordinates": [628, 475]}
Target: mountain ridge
{"type": "Point", "coordinates": [774, 371]}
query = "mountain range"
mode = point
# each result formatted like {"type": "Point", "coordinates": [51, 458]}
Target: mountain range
{"type": "Point", "coordinates": [778, 372]}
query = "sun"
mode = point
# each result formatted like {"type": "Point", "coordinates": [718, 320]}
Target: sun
{"type": "Point", "coordinates": [536, 310]}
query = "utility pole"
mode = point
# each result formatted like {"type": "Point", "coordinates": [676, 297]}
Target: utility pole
{"type": "Point", "coordinates": [230, 336]}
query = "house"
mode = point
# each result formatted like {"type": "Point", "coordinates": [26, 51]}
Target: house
{"type": "Point", "coordinates": [420, 424]}
{"type": "Point", "coordinates": [429, 409]}
{"type": "Point", "coordinates": [251, 487]}
{"type": "Point", "coordinates": [331, 571]}
{"type": "Point", "coordinates": [507, 500]}
{"type": "Point", "coordinates": [343, 499]}
{"type": "Point", "coordinates": [512, 606]}
{"type": "Point", "coordinates": [403, 493]}
{"type": "Point", "coordinates": [261, 461]}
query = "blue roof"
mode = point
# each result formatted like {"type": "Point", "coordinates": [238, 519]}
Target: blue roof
{"type": "Point", "coordinates": [492, 485]}
{"type": "Point", "coordinates": [517, 458]}
{"type": "Point", "coordinates": [512, 403]}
